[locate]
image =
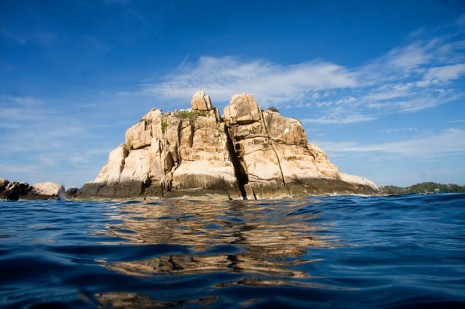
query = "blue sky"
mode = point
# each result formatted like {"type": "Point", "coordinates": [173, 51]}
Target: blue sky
{"type": "Point", "coordinates": [378, 85]}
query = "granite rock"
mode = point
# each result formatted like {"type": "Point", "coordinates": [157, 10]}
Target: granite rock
{"type": "Point", "coordinates": [47, 191]}
{"type": "Point", "coordinates": [15, 190]}
{"type": "Point", "coordinates": [248, 154]}
{"type": "Point", "coordinates": [201, 101]}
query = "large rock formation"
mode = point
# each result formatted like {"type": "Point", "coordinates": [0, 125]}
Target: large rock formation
{"type": "Point", "coordinates": [249, 153]}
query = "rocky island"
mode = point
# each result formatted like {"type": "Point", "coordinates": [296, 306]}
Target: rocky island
{"type": "Point", "coordinates": [248, 153]}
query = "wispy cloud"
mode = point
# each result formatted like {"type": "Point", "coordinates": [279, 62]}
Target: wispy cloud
{"type": "Point", "coordinates": [40, 140]}
{"type": "Point", "coordinates": [400, 130]}
{"type": "Point", "coordinates": [416, 76]}
{"type": "Point", "coordinates": [448, 142]}
{"type": "Point", "coordinates": [407, 58]}
{"type": "Point", "coordinates": [410, 78]}
{"type": "Point", "coordinates": [445, 73]}
{"type": "Point", "coordinates": [271, 83]}
{"type": "Point", "coordinates": [339, 118]}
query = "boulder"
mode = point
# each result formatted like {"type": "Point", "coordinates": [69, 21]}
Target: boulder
{"type": "Point", "coordinates": [71, 193]}
{"type": "Point", "coordinates": [284, 130]}
{"type": "Point", "coordinates": [362, 184]}
{"type": "Point", "coordinates": [15, 190]}
{"type": "Point", "coordinates": [201, 101]}
{"type": "Point", "coordinates": [242, 110]}
{"type": "Point", "coordinates": [47, 191]}
{"type": "Point", "coordinates": [3, 184]}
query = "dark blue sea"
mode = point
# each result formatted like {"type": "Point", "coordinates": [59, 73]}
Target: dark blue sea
{"type": "Point", "coordinates": [320, 252]}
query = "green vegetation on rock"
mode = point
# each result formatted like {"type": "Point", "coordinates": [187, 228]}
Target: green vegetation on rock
{"type": "Point", "coordinates": [164, 125]}
{"type": "Point", "coordinates": [273, 109]}
{"type": "Point", "coordinates": [187, 114]}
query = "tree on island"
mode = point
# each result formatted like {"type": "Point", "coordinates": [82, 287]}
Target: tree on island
{"type": "Point", "coordinates": [424, 187]}
{"type": "Point", "coordinates": [273, 109]}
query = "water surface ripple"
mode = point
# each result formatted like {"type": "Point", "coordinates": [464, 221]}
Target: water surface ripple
{"type": "Point", "coordinates": [320, 252]}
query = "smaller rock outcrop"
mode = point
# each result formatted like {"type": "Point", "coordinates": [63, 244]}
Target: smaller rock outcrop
{"type": "Point", "coordinates": [242, 110]}
{"type": "Point", "coordinates": [47, 191]}
{"type": "Point", "coordinates": [15, 190]}
{"type": "Point", "coordinates": [71, 193]}
{"type": "Point", "coordinates": [201, 102]}
{"type": "Point", "coordinates": [3, 184]}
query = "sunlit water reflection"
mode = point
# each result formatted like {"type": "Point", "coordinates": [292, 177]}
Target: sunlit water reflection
{"type": "Point", "coordinates": [342, 251]}
{"type": "Point", "coordinates": [255, 238]}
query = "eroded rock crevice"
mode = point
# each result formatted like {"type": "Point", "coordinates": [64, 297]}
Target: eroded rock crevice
{"type": "Point", "coordinates": [239, 171]}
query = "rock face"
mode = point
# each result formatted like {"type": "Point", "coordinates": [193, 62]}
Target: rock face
{"type": "Point", "coordinates": [249, 153]}
{"type": "Point", "coordinates": [3, 184]}
{"type": "Point", "coordinates": [276, 158]}
{"type": "Point", "coordinates": [71, 192]}
{"type": "Point", "coordinates": [16, 190]}
{"type": "Point", "coordinates": [13, 190]}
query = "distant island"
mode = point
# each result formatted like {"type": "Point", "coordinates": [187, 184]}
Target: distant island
{"type": "Point", "coordinates": [424, 187]}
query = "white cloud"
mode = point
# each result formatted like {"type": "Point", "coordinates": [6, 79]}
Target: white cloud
{"type": "Point", "coordinates": [339, 119]}
{"type": "Point", "coordinates": [409, 57]}
{"type": "Point", "coordinates": [47, 140]}
{"type": "Point", "coordinates": [409, 78]}
{"type": "Point", "coordinates": [445, 73]}
{"type": "Point", "coordinates": [271, 83]}
{"type": "Point", "coordinates": [399, 130]}
{"type": "Point", "coordinates": [447, 142]}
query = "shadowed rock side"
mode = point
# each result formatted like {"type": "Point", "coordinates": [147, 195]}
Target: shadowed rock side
{"type": "Point", "coordinates": [248, 154]}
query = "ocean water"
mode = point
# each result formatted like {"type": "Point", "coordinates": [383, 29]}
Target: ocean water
{"type": "Point", "coordinates": [319, 252]}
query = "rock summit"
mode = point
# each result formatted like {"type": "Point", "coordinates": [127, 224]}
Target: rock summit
{"type": "Point", "coordinates": [248, 153]}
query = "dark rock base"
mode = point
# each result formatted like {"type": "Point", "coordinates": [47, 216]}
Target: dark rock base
{"type": "Point", "coordinates": [222, 190]}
